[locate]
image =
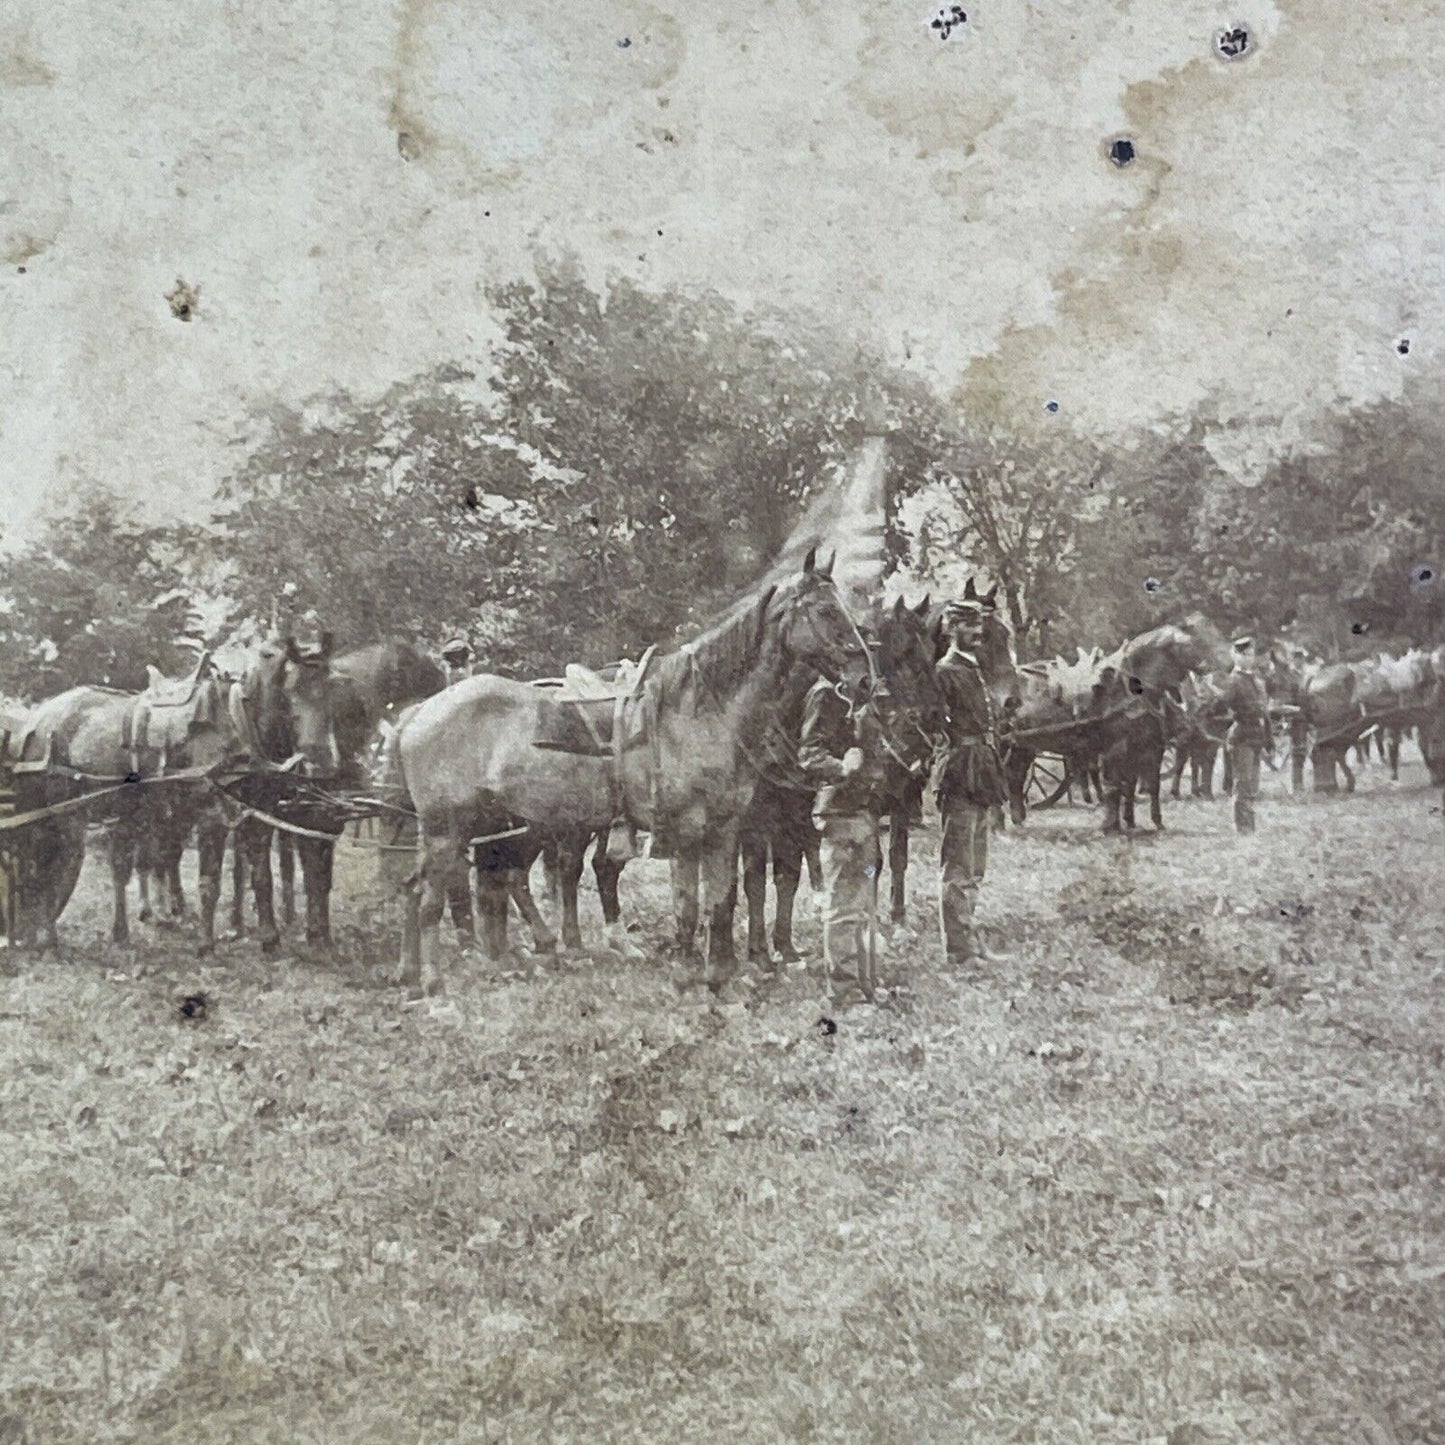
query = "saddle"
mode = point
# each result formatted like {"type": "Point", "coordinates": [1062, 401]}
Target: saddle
{"type": "Point", "coordinates": [164, 714]}
{"type": "Point", "coordinates": [584, 712]}
{"type": "Point", "coordinates": [586, 715]}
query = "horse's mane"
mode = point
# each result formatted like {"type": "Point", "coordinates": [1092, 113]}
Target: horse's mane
{"type": "Point", "coordinates": [724, 654]}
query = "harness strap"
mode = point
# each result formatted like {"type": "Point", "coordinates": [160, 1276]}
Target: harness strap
{"type": "Point", "coordinates": [249, 810]}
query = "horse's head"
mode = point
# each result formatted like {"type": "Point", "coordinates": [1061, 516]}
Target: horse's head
{"type": "Point", "coordinates": [814, 628]}
{"type": "Point", "coordinates": [905, 654]}
{"type": "Point", "coordinates": [296, 705]}
{"type": "Point", "coordinates": [1162, 658]}
{"type": "Point", "coordinates": [908, 695]}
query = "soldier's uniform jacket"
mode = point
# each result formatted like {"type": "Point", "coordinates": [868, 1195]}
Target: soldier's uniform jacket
{"type": "Point", "coordinates": [971, 770]}
{"type": "Point", "coordinates": [829, 730]}
{"type": "Point", "coordinates": [1249, 702]}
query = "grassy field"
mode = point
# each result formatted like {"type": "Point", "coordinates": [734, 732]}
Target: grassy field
{"type": "Point", "coordinates": [1172, 1173]}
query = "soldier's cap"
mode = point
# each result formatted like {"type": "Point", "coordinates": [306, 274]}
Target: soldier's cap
{"type": "Point", "coordinates": [962, 611]}
{"type": "Point", "coordinates": [456, 647]}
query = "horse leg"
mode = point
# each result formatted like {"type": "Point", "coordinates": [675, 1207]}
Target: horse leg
{"type": "Point", "coordinates": [238, 884]}
{"type": "Point", "coordinates": [608, 871]}
{"type": "Point", "coordinates": [255, 839]}
{"type": "Point", "coordinates": [787, 874]}
{"type": "Point", "coordinates": [562, 866]}
{"type": "Point", "coordinates": [1016, 774]}
{"type": "Point", "coordinates": [683, 867]}
{"type": "Point", "coordinates": [121, 845]}
{"type": "Point", "coordinates": [718, 869]}
{"type": "Point", "coordinates": [317, 858]}
{"type": "Point", "coordinates": [898, 867]}
{"type": "Point", "coordinates": [444, 857]}
{"type": "Point", "coordinates": [1393, 745]}
{"type": "Point", "coordinates": [286, 866]}
{"type": "Point", "coordinates": [1153, 781]}
{"type": "Point", "coordinates": [144, 913]}
{"type": "Point", "coordinates": [1345, 769]}
{"type": "Point", "coordinates": [1182, 756]}
{"type": "Point", "coordinates": [1113, 800]}
{"type": "Point", "coordinates": [459, 905]}
{"type": "Point", "coordinates": [175, 893]}
{"type": "Point", "coordinates": [544, 941]}
{"type": "Point", "coordinates": [210, 862]}
{"type": "Point", "coordinates": [754, 848]}
{"type": "Point", "coordinates": [813, 856]}
{"type": "Point", "coordinates": [492, 905]}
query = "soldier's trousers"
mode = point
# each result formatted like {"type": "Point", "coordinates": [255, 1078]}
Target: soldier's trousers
{"type": "Point", "coordinates": [1245, 757]}
{"type": "Point", "coordinates": [850, 857]}
{"type": "Point", "coordinates": [962, 861]}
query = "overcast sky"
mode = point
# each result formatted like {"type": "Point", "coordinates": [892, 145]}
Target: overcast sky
{"type": "Point", "coordinates": [341, 180]}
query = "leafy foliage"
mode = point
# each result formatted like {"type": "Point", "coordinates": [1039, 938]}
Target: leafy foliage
{"type": "Point", "coordinates": [627, 461]}
{"type": "Point", "coordinates": [93, 600]}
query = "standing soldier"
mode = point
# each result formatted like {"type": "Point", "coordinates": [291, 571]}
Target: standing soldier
{"type": "Point", "coordinates": [457, 656]}
{"type": "Point", "coordinates": [970, 784]}
{"type": "Point", "coordinates": [1248, 735]}
{"type": "Point", "coordinates": [833, 752]}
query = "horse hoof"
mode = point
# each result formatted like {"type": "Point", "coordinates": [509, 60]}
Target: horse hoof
{"type": "Point", "coordinates": [270, 947]}
{"type": "Point", "coordinates": [145, 915]}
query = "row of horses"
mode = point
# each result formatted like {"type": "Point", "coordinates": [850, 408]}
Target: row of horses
{"type": "Point", "coordinates": [1323, 710]}
{"type": "Point", "coordinates": [697, 747]}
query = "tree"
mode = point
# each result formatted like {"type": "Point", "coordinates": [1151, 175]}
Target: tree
{"type": "Point", "coordinates": [631, 463]}
{"type": "Point", "coordinates": [93, 599]}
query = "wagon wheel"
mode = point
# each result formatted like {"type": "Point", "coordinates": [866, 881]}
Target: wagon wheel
{"type": "Point", "coordinates": [1048, 781]}
{"type": "Point", "coordinates": [1168, 760]}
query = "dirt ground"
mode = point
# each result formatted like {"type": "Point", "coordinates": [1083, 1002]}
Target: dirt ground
{"type": "Point", "coordinates": [1171, 1173]}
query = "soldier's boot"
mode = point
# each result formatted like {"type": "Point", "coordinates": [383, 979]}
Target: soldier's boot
{"type": "Point", "coordinates": [971, 952]}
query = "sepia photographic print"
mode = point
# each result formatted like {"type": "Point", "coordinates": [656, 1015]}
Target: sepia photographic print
{"type": "Point", "coordinates": [722, 723]}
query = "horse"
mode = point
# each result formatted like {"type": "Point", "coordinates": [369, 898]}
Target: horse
{"type": "Point", "coordinates": [1395, 692]}
{"type": "Point", "coordinates": [1129, 712]}
{"type": "Point", "coordinates": [1203, 716]}
{"type": "Point", "coordinates": [310, 717]}
{"type": "Point", "coordinates": [131, 741]}
{"type": "Point", "coordinates": [675, 763]}
{"type": "Point", "coordinates": [40, 862]}
{"type": "Point", "coordinates": [778, 823]}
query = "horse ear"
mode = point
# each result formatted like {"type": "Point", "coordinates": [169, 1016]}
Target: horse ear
{"type": "Point", "coordinates": [970, 592]}
{"type": "Point", "coordinates": [922, 608]}
{"type": "Point", "coordinates": [991, 593]}
{"type": "Point", "coordinates": [328, 641]}
{"type": "Point", "coordinates": [293, 652]}
{"type": "Point", "coordinates": [154, 677]}
{"type": "Point", "coordinates": [827, 571]}
{"type": "Point", "coordinates": [764, 603]}
{"type": "Point", "coordinates": [202, 663]}
{"type": "Point", "coordinates": [899, 608]}
{"type": "Point", "coordinates": [809, 560]}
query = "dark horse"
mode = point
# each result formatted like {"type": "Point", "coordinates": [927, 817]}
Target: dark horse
{"type": "Point", "coordinates": [904, 777]}
{"type": "Point", "coordinates": [778, 824]}
{"type": "Point", "coordinates": [310, 717]}
{"type": "Point", "coordinates": [1134, 708]}
{"type": "Point", "coordinates": [40, 860]}
{"type": "Point", "coordinates": [676, 764]}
